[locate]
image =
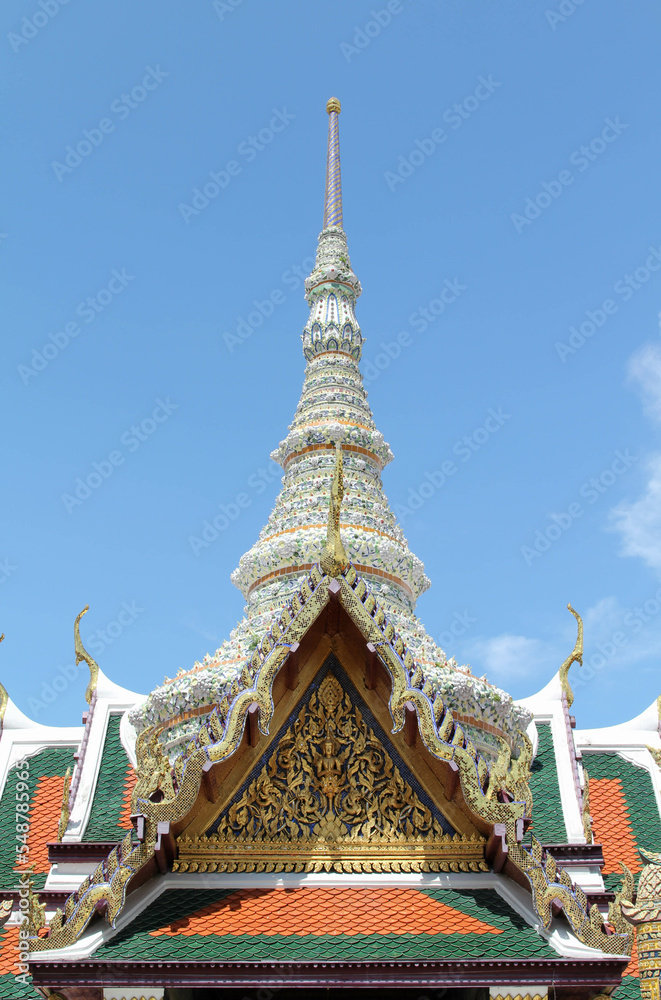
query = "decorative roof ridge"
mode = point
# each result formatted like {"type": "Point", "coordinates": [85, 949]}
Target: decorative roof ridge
{"type": "Point", "coordinates": [551, 884]}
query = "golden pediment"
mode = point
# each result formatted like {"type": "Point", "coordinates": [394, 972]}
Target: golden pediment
{"type": "Point", "coordinates": [329, 797]}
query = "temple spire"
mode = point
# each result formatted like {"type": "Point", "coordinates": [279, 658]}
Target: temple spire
{"type": "Point", "coordinates": [333, 201]}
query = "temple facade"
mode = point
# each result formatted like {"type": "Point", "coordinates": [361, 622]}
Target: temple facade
{"type": "Point", "coordinates": [328, 803]}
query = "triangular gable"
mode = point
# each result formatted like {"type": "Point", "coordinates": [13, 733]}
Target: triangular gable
{"type": "Point", "coordinates": [332, 793]}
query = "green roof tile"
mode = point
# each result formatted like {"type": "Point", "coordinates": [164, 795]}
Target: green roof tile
{"type": "Point", "coordinates": [110, 786]}
{"type": "Point", "coordinates": [628, 990]}
{"type": "Point", "coordinates": [548, 822]}
{"type": "Point", "coordinates": [48, 763]}
{"type": "Point", "coordinates": [11, 987]}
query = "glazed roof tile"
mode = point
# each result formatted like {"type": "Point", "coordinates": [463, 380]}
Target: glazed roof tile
{"type": "Point", "coordinates": [12, 988]}
{"type": "Point", "coordinates": [611, 825]}
{"type": "Point", "coordinates": [548, 822]}
{"type": "Point", "coordinates": [109, 816]}
{"type": "Point", "coordinates": [622, 805]}
{"type": "Point", "coordinates": [332, 911]}
{"type": "Point", "coordinates": [45, 783]}
{"type": "Point", "coordinates": [629, 989]}
{"type": "Point", "coordinates": [325, 924]}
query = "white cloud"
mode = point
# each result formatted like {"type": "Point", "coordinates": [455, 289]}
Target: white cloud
{"type": "Point", "coordinates": [509, 659]}
{"type": "Point", "coordinates": [506, 657]}
{"type": "Point", "coordinates": [639, 523]}
{"type": "Point", "coordinates": [644, 368]}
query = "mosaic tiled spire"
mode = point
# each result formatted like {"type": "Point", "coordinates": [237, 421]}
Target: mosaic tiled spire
{"type": "Point", "coordinates": [333, 408]}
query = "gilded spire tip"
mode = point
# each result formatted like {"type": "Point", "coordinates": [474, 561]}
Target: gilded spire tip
{"type": "Point", "coordinates": [333, 199]}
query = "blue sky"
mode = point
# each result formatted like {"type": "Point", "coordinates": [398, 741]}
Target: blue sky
{"type": "Point", "coordinates": [509, 149]}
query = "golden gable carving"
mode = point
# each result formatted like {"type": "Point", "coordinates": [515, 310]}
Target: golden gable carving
{"type": "Point", "coordinates": [330, 798]}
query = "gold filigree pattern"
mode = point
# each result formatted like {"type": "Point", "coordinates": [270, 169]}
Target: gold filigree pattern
{"type": "Point", "coordinates": [329, 776]}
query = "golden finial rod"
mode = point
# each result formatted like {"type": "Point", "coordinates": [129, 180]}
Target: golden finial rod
{"type": "Point", "coordinates": [333, 196]}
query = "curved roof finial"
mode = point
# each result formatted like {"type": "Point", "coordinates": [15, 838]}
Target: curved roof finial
{"type": "Point", "coordinates": [82, 654]}
{"type": "Point", "coordinates": [333, 200]}
{"type": "Point", "coordinates": [574, 657]}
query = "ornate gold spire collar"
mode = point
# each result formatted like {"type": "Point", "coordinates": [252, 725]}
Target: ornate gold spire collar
{"type": "Point", "coordinates": [333, 557]}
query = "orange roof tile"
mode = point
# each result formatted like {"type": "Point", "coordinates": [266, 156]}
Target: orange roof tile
{"type": "Point", "coordinates": [611, 825]}
{"type": "Point", "coordinates": [44, 818]}
{"type": "Point", "coordinates": [632, 967]}
{"type": "Point", "coordinates": [335, 910]}
{"type": "Point", "coordinates": [9, 953]}
{"type": "Point", "coordinates": [129, 785]}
